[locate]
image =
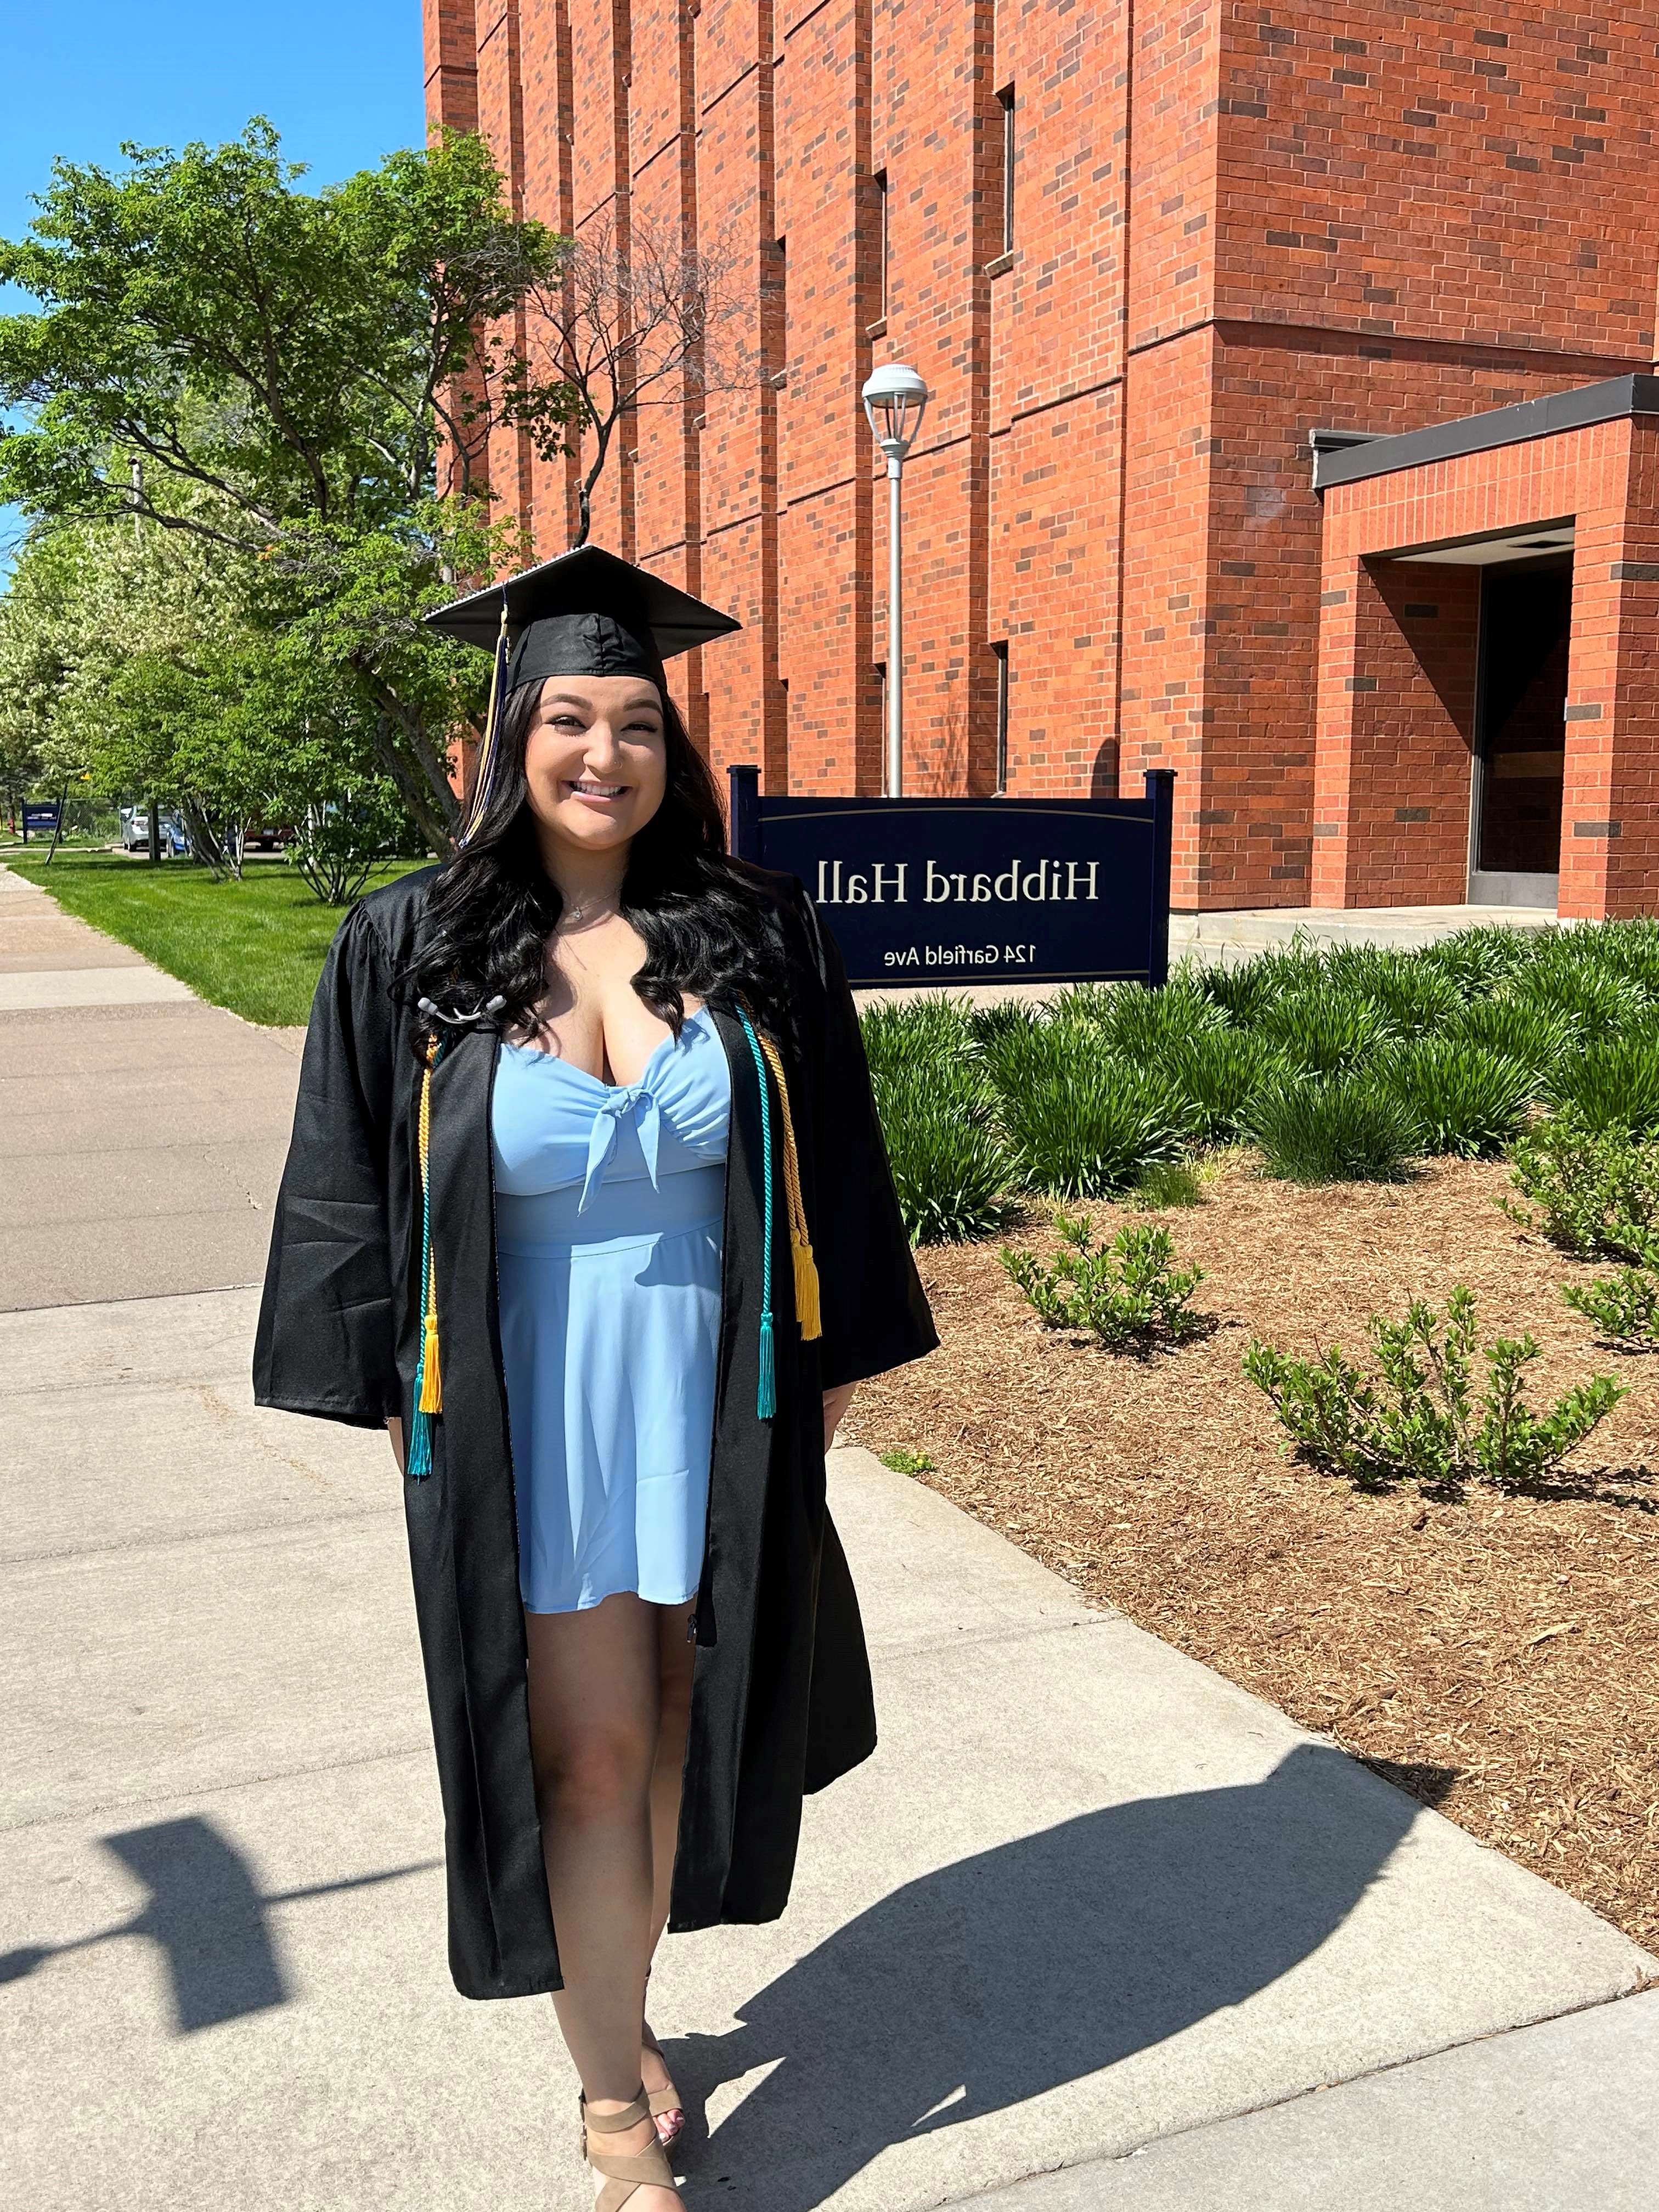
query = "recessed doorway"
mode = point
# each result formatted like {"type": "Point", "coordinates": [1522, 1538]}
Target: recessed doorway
{"type": "Point", "coordinates": [1526, 624]}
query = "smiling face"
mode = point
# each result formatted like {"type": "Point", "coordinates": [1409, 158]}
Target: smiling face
{"type": "Point", "coordinates": [596, 762]}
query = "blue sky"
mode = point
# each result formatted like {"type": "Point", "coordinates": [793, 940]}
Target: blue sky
{"type": "Point", "coordinates": [341, 82]}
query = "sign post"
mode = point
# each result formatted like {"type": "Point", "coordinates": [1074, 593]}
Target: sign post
{"type": "Point", "coordinates": [976, 890]}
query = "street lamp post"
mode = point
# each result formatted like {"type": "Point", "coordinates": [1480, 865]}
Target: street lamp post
{"type": "Point", "coordinates": [894, 398]}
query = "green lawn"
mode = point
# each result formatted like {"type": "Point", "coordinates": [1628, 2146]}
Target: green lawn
{"type": "Point", "coordinates": [254, 946]}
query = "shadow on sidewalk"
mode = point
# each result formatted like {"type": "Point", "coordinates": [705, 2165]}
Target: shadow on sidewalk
{"type": "Point", "coordinates": [1021, 1968]}
{"type": "Point", "coordinates": [207, 1914]}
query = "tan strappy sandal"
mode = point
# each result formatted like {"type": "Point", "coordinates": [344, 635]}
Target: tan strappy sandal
{"type": "Point", "coordinates": [664, 2102]}
{"type": "Point", "coordinates": [640, 2169]}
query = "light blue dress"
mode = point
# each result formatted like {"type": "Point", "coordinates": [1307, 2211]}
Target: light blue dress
{"type": "Point", "coordinates": [610, 1201]}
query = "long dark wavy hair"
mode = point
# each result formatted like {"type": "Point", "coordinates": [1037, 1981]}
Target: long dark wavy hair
{"type": "Point", "coordinates": [709, 928]}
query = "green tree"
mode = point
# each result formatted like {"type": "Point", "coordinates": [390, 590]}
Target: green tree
{"type": "Point", "coordinates": [292, 378]}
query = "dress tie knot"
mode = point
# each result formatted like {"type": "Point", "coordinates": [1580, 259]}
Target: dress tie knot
{"type": "Point", "coordinates": [636, 1100]}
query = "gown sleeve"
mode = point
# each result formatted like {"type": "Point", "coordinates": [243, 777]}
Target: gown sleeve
{"type": "Point", "coordinates": [874, 1310]}
{"type": "Point", "coordinates": [326, 1340]}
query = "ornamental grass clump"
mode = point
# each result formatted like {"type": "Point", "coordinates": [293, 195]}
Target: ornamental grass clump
{"type": "Point", "coordinates": [1128, 1294]}
{"type": "Point", "coordinates": [950, 1163]}
{"type": "Point", "coordinates": [1325, 1032]}
{"type": "Point", "coordinates": [1337, 1128]}
{"type": "Point", "coordinates": [1536, 1037]}
{"type": "Point", "coordinates": [1595, 1004]}
{"type": "Point", "coordinates": [1412, 1001]}
{"type": "Point", "coordinates": [1221, 1073]}
{"type": "Point", "coordinates": [1245, 993]}
{"type": "Point", "coordinates": [1417, 1418]}
{"type": "Point", "coordinates": [1475, 961]}
{"type": "Point", "coordinates": [1466, 1100]}
{"type": "Point", "coordinates": [1592, 1191]}
{"type": "Point", "coordinates": [1142, 1025]}
{"type": "Point", "coordinates": [1612, 1084]}
{"type": "Point", "coordinates": [1080, 1122]}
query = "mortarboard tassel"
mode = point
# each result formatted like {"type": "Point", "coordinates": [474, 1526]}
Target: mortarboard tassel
{"type": "Point", "coordinates": [428, 1375]}
{"type": "Point", "coordinates": [487, 762]}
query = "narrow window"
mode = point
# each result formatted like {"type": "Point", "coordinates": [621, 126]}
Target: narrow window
{"type": "Point", "coordinates": [1005, 101]}
{"type": "Point", "coordinates": [884, 247]}
{"type": "Point", "coordinates": [1001, 652]}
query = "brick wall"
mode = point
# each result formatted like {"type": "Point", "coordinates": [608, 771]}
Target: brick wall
{"type": "Point", "coordinates": [1233, 224]}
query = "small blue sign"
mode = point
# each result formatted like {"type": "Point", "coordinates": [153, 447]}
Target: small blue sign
{"type": "Point", "coordinates": [39, 816]}
{"type": "Point", "coordinates": [976, 890]}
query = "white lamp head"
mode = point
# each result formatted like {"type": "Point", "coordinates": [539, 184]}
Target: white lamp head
{"type": "Point", "coordinates": [894, 398]}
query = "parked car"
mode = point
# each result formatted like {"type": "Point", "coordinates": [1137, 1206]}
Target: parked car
{"type": "Point", "coordinates": [135, 832]}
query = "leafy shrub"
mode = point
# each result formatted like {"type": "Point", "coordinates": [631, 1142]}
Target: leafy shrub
{"type": "Point", "coordinates": [1324, 1032]}
{"type": "Point", "coordinates": [1127, 1294]}
{"type": "Point", "coordinates": [1625, 1307]}
{"type": "Point", "coordinates": [1417, 1418]}
{"type": "Point", "coordinates": [1220, 1073]}
{"type": "Point", "coordinates": [1466, 1100]}
{"type": "Point", "coordinates": [1594, 1191]}
{"type": "Point", "coordinates": [1081, 1124]}
{"type": "Point", "coordinates": [950, 1165]}
{"type": "Point", "coordinates": [1614, 1084]}
{"type": "Point", "coordinates": [1337, 1128]}
{"type": "Point", "coordinates": [1534, 1037]}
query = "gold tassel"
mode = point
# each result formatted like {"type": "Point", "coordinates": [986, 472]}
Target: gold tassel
{"type": "Point", "coordinates": [800, 1247]}
{"type": "Point", "coordinates": [806, 1287]}
{"type": "Point", "coordinates": [432, 1381]}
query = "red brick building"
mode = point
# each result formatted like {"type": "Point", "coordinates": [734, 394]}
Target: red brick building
{"type": "Point", "coordinates": [1142, 254]}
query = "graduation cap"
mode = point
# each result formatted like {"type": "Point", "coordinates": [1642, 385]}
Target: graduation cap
{"type": "Point", "coordinates": [583, 613]}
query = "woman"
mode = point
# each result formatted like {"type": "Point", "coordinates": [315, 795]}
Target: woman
{"type": "Point", "coordinates": [588, 1202]}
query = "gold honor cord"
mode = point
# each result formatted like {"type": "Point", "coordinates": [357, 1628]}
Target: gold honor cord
{"type": "Point", "coordinates": [800, 1248]}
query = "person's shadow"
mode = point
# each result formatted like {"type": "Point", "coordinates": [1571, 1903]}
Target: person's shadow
{"type": "Point", "coordinates": [205, 1911]}
{"type": "Point", "coordinates": [1008, 1974]}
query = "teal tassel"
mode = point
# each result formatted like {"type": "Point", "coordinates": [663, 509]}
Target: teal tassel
{"type": "Point", "coordinates": [766, 1396]}
{"type": "Point", "coordinates": [420, 1445]}
{"type": "Point", "coordinates": [766, 1403]}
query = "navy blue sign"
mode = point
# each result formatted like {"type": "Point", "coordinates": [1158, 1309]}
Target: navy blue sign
{"type": "Point", "coordinates": [40, 816]}
{"type": "Point", "coordinates": [976, 890]}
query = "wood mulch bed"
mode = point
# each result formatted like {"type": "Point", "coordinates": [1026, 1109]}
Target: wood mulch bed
{"type": "Point", "coordinates": [1496, 1656]}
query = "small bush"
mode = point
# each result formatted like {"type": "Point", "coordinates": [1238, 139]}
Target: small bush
{"type": "Point", "coordinates": [1466, 1100]}
{"type": "Point", "coordinates": [1593, 1191]}
{"type": "Point", "coordinates": [1614, 1084]}
{"type": "Point", "coordinates": [950, 1165]}
{"type": "Point", "coordinates": [1127, 1294]}
{"type": "Point", "coordinates": [1220, 1073]}
{"type": "Point", "coordinates": [1339, 1128]}
{"type": "Point", "coordinates": [1167, 1183]}
{"type": "Point", "coordinates": [1079, 1123]}
{"type": "Point", "coordinates": [1625, 1307]}
{"type": "Point", "coordinates": [1417, 1419]}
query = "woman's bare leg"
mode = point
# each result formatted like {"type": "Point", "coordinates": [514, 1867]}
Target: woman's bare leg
{"type": "Point", "coordinates": [676, 1653]}
{"type": "Point", "coordinates": [594, 1709]}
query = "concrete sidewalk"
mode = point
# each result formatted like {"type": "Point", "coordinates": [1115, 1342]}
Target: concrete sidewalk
{"type": "Point", "coordinates": [1088, 1902]}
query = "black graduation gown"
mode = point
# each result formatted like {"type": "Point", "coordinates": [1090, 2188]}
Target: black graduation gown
{"type": "Point", "coordinates": [782, 1701]}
